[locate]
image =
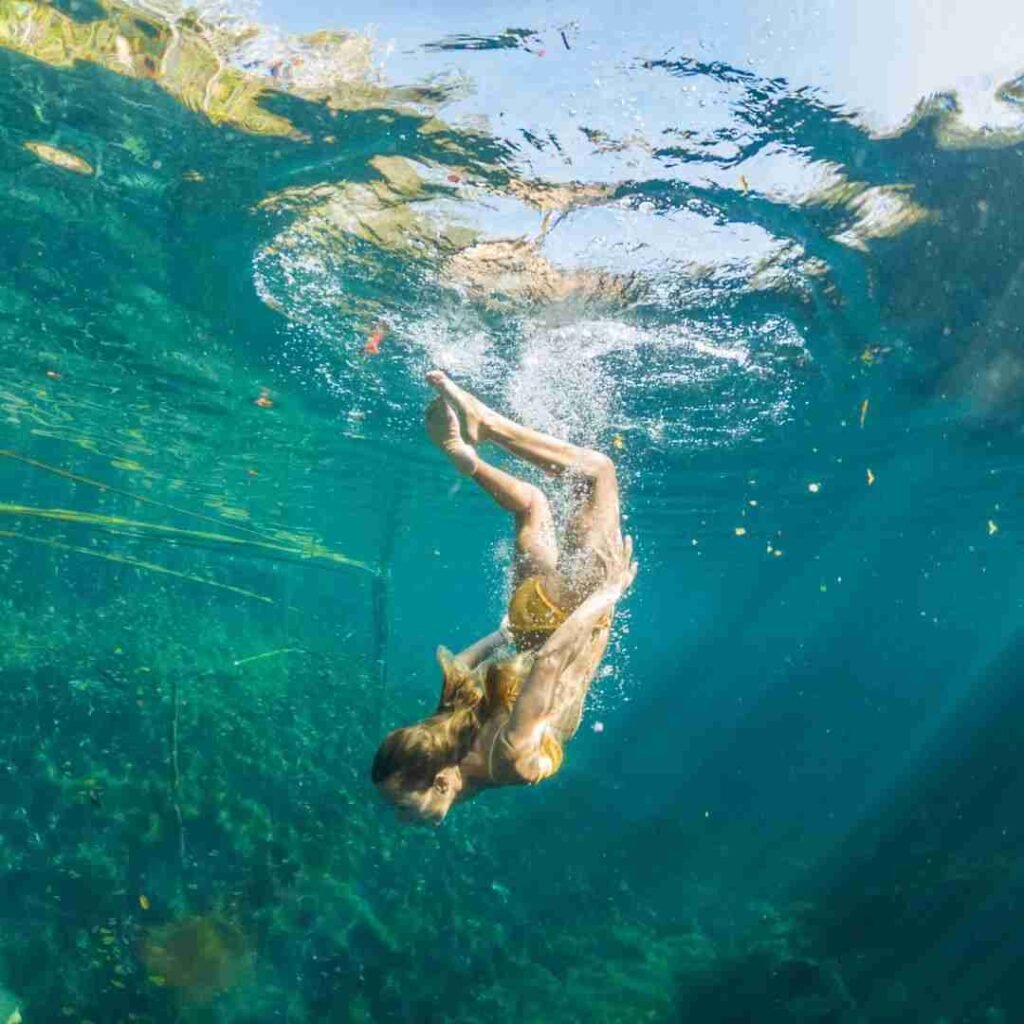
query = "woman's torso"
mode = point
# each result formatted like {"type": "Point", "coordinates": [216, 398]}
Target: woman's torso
{"type": "Point", "coordinates": [492, 760]}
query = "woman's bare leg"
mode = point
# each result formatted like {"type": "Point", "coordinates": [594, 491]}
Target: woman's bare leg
{"type": "Point", "coordinates": [536, 549]}
{"type": "Point", "coordinates": [597, 523]}
{"type": "Point", "coordinates": [550, 454]}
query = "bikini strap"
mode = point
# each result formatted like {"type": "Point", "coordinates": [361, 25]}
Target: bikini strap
{"type": "Point", "coordinates": [490, 753]}
{"type": "Point", "coordinates": [538, 589]}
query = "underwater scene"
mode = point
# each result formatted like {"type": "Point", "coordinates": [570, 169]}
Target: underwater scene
{"type": "Point", "coordinates": [765, 260]}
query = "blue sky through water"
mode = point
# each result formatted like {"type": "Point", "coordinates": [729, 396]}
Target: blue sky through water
{"type": "Point", "coordinates": [874, 56]}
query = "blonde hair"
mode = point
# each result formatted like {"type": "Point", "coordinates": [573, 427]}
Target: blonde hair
{"type": "Point", "coordinates": [416, 753]}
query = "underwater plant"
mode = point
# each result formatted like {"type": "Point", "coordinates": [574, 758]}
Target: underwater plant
{"type": "Point", "coordinates": [202, 956]}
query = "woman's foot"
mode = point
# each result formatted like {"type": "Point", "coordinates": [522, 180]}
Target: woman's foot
{"type": "Point", "coordinates": [443, 429]}
{"type": "Point", "coordinates": [471, 410]}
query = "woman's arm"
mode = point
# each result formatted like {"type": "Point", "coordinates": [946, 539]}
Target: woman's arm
{"type": "Point", "coordinates": [565, 665]}
{"type": "Point", "coordinates": [483, 648]}
{"type": "Point", "coordinates": [553, 685]}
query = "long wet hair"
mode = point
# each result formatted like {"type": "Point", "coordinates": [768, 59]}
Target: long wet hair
{"type": "Point", "coordinates": [416, 753]}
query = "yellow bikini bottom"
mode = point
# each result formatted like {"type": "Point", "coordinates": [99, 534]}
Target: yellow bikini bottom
{"type": "Point", "coordinates": [532, 615]}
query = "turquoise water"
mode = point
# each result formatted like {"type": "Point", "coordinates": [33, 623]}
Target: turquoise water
{"type": "Point", "coordinates": [229, 552]}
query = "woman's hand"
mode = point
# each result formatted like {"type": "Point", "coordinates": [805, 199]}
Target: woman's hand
{"type": "Point", "coordinates": [622, 571]}
{"type": "Point", "coordinates": [618, 569]}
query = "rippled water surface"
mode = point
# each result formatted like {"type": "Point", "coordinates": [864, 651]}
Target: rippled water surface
{"type": "Point", "coordinates": [768, 259]}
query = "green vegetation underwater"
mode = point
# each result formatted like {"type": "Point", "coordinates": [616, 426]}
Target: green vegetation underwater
{"type": "Point", "coordinates": [228, 254]}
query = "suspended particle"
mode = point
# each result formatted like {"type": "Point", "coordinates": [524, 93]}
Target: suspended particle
{"type": "Point", "coordinates": [741, 531]}
{"type": "Point", "coordinates": [372, 346]}
{"type": "Point", "coordinates": [992, 527]}
{"type": "Point", "coordinates": [144, 902]}
{"type": "Point", "coordinates": [863, 412]}
{"type": "Point", "coordinates": [871, 477]}
{"type": "Point", "coordinates": [617, 442]}
{"type": "Point", "coordinates": [814, 487]}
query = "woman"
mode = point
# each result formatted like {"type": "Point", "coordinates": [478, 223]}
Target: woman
{"type": "Point", "coordinates": [503, 719]}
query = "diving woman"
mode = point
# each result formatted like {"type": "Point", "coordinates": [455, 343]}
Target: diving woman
{"type": "Point", "coordinates": [511, 701]}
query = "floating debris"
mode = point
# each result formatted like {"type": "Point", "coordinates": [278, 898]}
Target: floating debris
{"type": "Point", "coordinates": [144, 902]}
{"type": "Point", "coordinates": [992, 527]}
{"type": "Point", "coordinates": [863, 412]}
{"type": "Point", "coordinates": [135, 563]}
{"type": "Point", "coordinates": [741, 531]}
{"type": "Point", "coordinates": [264, 401]}
{"type": "Point", "coordinates": [302, 547]}
{"type": "Point", "coordinates": [59, 157]}
{"type": "Point", "coordinates": [372, 346]}
{"type": "Point", "coordinates": [873, 354]}
{"type": "Point", "coordinates": [744, 184]}
{"type": "Point", "coordinates": [871, 477]}
{"type": "Point", "coordinates": [267, 654]}
{"type": "Point", "coordinates": [54, 374]}
{"type": "Point", "coordinates": [105, 488]}
{"type": "Point", "coordinates": [618, 442]}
